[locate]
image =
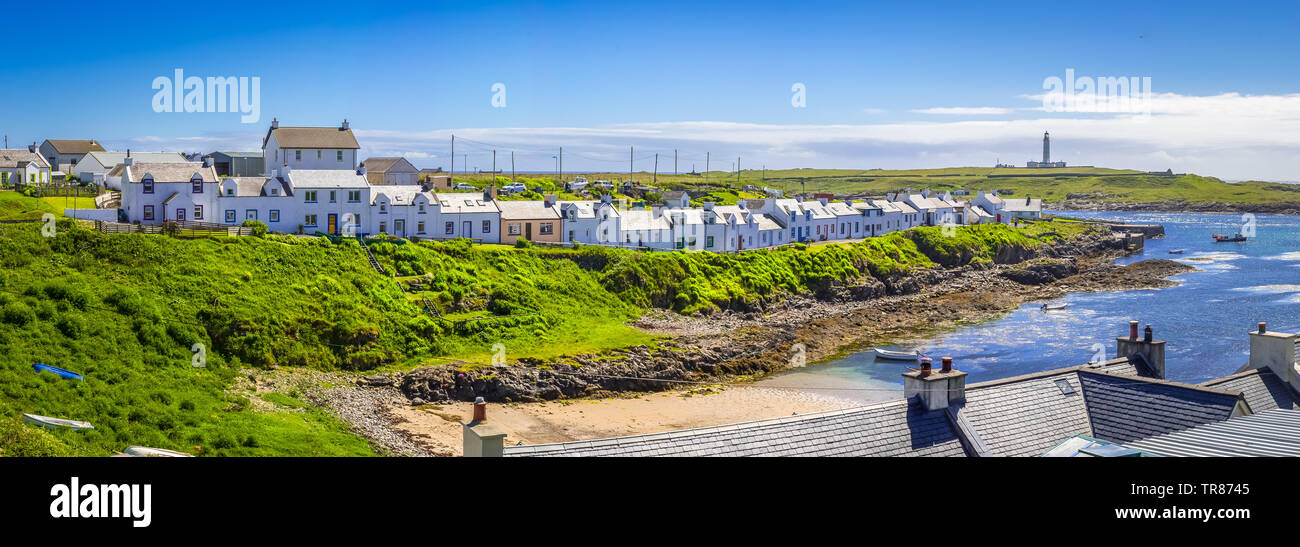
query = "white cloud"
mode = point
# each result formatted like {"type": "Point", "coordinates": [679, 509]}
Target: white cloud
{"type": "Point", "coordinates": [963, 110]}
{"type": "Point", "coordinates": [1230, 135]}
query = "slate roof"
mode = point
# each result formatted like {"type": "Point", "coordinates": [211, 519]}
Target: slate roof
{"type": "Point", "coordinates": [398, 194]}
{"type": "Point", "coordinates": [19, 157]}
{"type": "Point", "coordinates": [111, 159]}
{"type": "Point", "coordinates": [312, 137]}
{"type": "Point", "coordinates": [73, 146]}
{"type": "Point", "coordinates": [1263, 389]}
{"type": "Point", "coordinates": [1027, 204]}
{"type": "Point", "coordinates": [326, 178]}
{"type": "Point", "coordinates": [465, 202]}
{"type": "Point", "coordinates": [527, 210]}
{"type": "Point", "coordinates": [1124, 410]}
{"type": "Point", "coordinates": [172, 172]}
{"type": "Point", "coordinates": [896, 428]}
{"type": "Point", "coordinates": [1018, 416]}
{"type": "Point", "coordinates": [1274, 432]}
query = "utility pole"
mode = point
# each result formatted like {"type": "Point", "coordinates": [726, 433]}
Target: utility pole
{"type": "Point", "coordinates": [494, 169]}
{"type": "Point", "coordinates": [465, 163]}
{"type": "Point", "coordinates": [656, 175]}
{"type": "Point", "coordinates": [561, 164]}
{"type": "Point", "coordinates": [706, 167]}
{"type": "Point", "coordinates": [512, 166]}
{"type": "Point", "coordinates": [674, 161]}
{"type": "Point", "coordinates": [451, 177]}
{"type": "Point", "coordinates": [631, 150]}
{"type": "Point", "coordinates": [737, 170]}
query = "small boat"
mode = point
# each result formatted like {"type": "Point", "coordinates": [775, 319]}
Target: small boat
{"type": "Point", "coordinates": [147, 452]}
{"type": "Point", "coordinates": [1229, 239]}
{"type": "Point", "coordinates": [62, 373]}
{"type": "Point", "coordinates": [55, 423]}
{"type": "Point", "coordinates": [898, 355]}
{"type": "Point", "coordinates": [1176, 251]}
{"type": "Point", "coordinates": [1054, 307]}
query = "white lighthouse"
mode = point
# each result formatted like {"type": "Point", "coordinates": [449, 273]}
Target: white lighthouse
{"type": "Point", "coordinates": [1047, 149]}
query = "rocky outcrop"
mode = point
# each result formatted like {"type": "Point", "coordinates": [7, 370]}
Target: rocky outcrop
{"type": "Point", "coordinates": [1178, 206]}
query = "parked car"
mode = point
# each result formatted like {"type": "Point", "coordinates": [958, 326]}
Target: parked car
{"type": "Point", "coordinates": [605, 184]}
{"type": "Point", "coordinates": [514, 188]}
{"type": "Point", "coordinates": [463, 186]}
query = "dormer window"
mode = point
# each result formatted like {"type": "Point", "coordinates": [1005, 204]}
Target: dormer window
{"type": "Point", "coordinates": [147, 181]}
{"type": "Point", "coordinates": [196, 184]}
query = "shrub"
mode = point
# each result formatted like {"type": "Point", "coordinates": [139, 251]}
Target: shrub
{"type": "Point", "coordinates": [17, 314]}
{"type": "Point", "coordinates": [522, 243]}
{"type": "Point", "coordinates": [259, 229]}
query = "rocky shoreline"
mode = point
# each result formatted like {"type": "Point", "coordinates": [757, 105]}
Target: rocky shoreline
{"type": "Point", "coordinates": [735, 345]}
{"type": "Point", "coordinates": [1178, 206]}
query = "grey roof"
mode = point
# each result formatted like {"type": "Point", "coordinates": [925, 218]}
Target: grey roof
{"type": "Point", "coordinates": [1273, 432]}
{"type": "Point", "coordinates": [1018, 416]}
{"type": "Point", "coordinates": [895, 428]}
{"type": "Point", "coordinates": [172, 172]}
{"type": "Point", "coordinates": [111, 159]}
{"type": "Point", "coordinates": [238, 154]}
{"type": "Point", "coordinates": [326, 178]}
{"type": "Point", "coordinates": [20, 157]}
{"type": "Point", "coordinates": [399, 194]}
{"type": "Point", "coordinates": [1263, 389]}
{"type": "Point", "coordinates": [527, 210]}
{"type": "Point", "coordinates": [1123, 410]}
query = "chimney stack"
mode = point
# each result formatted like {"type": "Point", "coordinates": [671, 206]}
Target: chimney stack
{"type": "Point", "coordinates": [361, 170]}
{"type": "Point", "coordinates": [207, 161]}
{"type": "Point", "coordinates": [1275, 351]}
{"type": "Point", "coordinates": [935, 390]}
{"type": "Point", "coordinates": [275, 123]}
{"type": "Point", "coordinates": [548, 200]}
{"type": "Point", "coordinates": [32, 147]}
{"type": "Point", "coordinates": [481, 439]}
{"type": "Point", "coordinates": [1152, 350]}
{"type": "Point", "coordinates": [344, 127]}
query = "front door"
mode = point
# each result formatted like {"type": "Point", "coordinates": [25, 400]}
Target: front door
{"type": "Point", "coordinates": [468, 228]}
{"type": "Point", "coordinates": [333, 224]}
{"type": "Point", "coordinates": [528, 231]}
{"type": "Point", "coordinates": [399, 228]}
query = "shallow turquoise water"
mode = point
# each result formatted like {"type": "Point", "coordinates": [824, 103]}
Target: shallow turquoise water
{"type": "Point", "coordinates": [1205, 319]}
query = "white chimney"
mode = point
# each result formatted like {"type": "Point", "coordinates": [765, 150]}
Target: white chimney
{"type": "Point", "coordinates": [935, 390]}
{"type": "Point", "coordinates": [481, 439]}
{"type": "Point", "coordinates": [344, 127]}
{"type": "Point", "coordinates": [32, 147]}
{"type": "Point", "coordinates": [362, 170]}
{"type": "Point", "coordinates": [1275, 351]}
{"type": "Point", "coordinates": [708, 206]}
{"type": "Point", "coordinates": [207, 161]}
{"type": "Point", "coordinates": [275, 123]}
{"type": "Point", "coordinates": [128, 161]}
{"type": "Point", "coordinates": [548, 200]}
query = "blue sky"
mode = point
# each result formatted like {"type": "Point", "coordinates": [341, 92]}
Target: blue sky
{"type": "Point", "coordinates": [597, 77]}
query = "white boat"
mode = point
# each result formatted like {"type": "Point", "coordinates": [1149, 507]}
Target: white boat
{"type": "Point", "coordinates": [898, 355]}
{"type": "Point", "coordinates": [146, 452]}
{"type": "Point", "coordinates": [1054, 307]}
{"type": "Point", "coordinates": [54, 423]}
{"type": "Point", "coordinates": [1176, 251]}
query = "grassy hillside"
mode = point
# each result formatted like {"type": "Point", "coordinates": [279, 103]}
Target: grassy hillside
{"type": "Point", "coordinates": [126, 310]}
{"type": "Point", "coordinates": [1053, 185]}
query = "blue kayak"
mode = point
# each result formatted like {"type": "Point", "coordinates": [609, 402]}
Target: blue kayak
{"type": "Point", "coordinates": [68, 374]}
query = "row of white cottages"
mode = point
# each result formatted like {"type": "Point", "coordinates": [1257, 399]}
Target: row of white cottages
{"type": "Point", "coordinates": [344, 202]}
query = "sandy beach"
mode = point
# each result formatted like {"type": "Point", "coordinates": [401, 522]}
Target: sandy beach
{"type": "Point", "coordinates": [437, 426]}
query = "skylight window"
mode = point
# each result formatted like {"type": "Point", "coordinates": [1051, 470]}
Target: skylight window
{"type": "Point", "coordinates": [1065, 387]}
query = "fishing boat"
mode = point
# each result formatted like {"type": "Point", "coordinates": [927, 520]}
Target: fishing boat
{"type": "Point", "coordinates": [1176, 251]}
{"type": "Point", "coordinates": [1218, 238]}
{"type": "Point", "coordinates": [62, 373]}
{"type": "Point", "coordinates": [898, 355]}
{"type": "Point", "coordinates": [1054, 307]}
{"type": "Point", "coordinates": [55, 423]}
{"type": "Point", "coordinates": [147, 452]}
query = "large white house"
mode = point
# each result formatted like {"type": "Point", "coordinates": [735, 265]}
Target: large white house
{"type": "Point", "coordinates": [309, 147]}
{"type": "Point", "coordinates": [95, 166]}
{"type": "Point", "coordinates": [23, 165]}
{"type": "Point", "coordinates": [159, 192]}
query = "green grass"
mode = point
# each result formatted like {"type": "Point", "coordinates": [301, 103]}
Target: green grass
{"type": "Point", "coordinates": [126, 310]}
{"type": "Point", "coordinates": [15, 206]}
{"type": "Point", "coordinates": [1099, 184]}
{"type": "Point", "coordinates": [60, 204]}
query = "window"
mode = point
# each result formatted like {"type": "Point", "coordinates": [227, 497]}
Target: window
{"type": "Point", "coordinates": [310, 220]}
{"type": "Point", "coordinates": [148, 184]}
{"type": "Point", "coordinates": [383, 208]}
{"type": "Point", "coordinates": [547, 228]}
{"type": "Point", "coordinates": [230, 191]}
{"type": "Point", "coordinates": [708, 242]}
{"type": "Point", "coordinates": [196, 185]}
{"type": "Point", "coordinates": [318, 153]}
{"type": "Point", "coordinates": [277, 156]}
{"type": "Point", "coordinates": [516, 228]}
{"type": "Point", "coordinates": [274, 216]}
{"type": "Point", "coordinates": [383, 227]}
{"type": "Point", "coordinates": [570, 235]}
{"type": "Point", "coordinates": [297, 155]}
{"type": "Point", "coordinates": [338, 156]}
{"type": "Point", "coordinates": [419, 227]}
{"type": "Point", "coordinates": [331, 196]}
{"type": "Point", "coordinates": [198, 212]}
{"type": "Point", "coordinates": [230, 216]}
{"type": "Point", "coordinates": [309, 196]}
{"type": "Point", "coordinates": [451, 228]}
{"type": "Point", "coordinates": [250, 214]}
{"type": "Point", "coordinates": [487, 226]}
{"type": "Point", "coordinates": [148, 212]}
{"type": "Point", "coordinates": [354, 195]}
